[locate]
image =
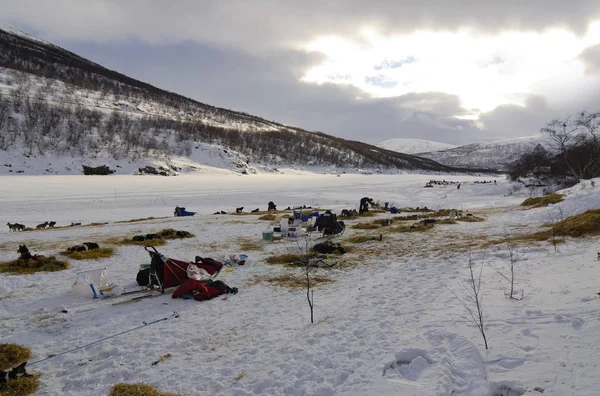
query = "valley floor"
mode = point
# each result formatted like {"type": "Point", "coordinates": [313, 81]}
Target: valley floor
{"type": "Point", "coordinates": [387, 323]}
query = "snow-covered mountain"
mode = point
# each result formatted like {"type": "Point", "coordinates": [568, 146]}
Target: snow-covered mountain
{"type": "Point", "coordinates": [413, 146]}
{"type": "Point", "coordinates": [59, 111]}
{"type": "Point", "coordinates": [495, 154]}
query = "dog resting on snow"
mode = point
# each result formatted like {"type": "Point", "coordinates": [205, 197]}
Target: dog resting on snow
{"type": "Point", "coordinates": [27, 259]}
{"type": "Point", "coordinates": [83, 247]}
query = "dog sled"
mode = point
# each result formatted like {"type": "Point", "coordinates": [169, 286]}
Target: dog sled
{"type": "Point", "coordinates": [180, 211]}
{"type": "Point", "coordinates": [165, 272]}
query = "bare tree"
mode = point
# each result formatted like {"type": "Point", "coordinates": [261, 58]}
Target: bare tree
{"type": "Point", "coordinates": [512, 260]}
{"type": "Point", "coordinates": [589, 125]}
{"type": "Point", "coordinates": [473, 301]}
{"type": "Point", "coordinates": [562, 133]}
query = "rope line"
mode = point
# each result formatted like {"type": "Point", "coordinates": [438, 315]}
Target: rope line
{"type": "Point", "coordinates": [174, 315]}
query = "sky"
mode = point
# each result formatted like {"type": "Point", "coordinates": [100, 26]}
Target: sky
{"type": "Point", "coordinates": [451, 71]}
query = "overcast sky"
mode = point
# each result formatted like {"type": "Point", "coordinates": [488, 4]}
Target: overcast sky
{"type": "Point", "coordinates": [451, 71]}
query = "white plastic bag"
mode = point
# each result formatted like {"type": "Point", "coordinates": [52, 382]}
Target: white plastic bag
{"type": "Point", "coordinates": [94, 284]}
{"type": "Point", "coordinates": [195, 272]}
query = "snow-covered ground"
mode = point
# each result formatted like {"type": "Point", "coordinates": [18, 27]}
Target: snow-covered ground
{"type": "Point", "coordinates": [387, 324]}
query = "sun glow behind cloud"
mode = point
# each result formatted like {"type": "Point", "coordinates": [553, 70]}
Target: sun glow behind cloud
{"type": "Point", "coordinates": [483, 70]}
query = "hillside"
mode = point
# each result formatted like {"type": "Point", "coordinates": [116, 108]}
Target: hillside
{"type": "Point", "coordinates": [413, 146]}
{"type": "Point", "coordinates": [58, 107]}
{"type": "Point", "coordinates": [493, 154]}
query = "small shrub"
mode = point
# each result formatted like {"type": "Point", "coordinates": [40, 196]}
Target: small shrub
{"type": "Point", "coordinates": [538, 202]}
{"type": "Point", "coordinates": [98, 170]}
{"type": "Point", "coordinates": [90, 254]}
{"type": "Point", "coordinates": [49, 264]}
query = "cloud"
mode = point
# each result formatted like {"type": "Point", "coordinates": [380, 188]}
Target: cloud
{"type": "Point", "coordinates": [250, 56]}
{"type": "Point", "coordinates": [591, 58]}
{"type": "Point", "coordinates": [265, 24]}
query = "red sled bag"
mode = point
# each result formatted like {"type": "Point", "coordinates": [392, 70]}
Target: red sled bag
{"type": "Point", "coordinates": [202, 290]}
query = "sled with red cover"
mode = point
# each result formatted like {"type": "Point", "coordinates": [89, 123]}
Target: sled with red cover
{"type": "Point", "coordinates": [166, 272]}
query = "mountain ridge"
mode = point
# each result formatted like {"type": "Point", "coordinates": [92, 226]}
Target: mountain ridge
{"type": "Point", "coordinates": [58, 103]}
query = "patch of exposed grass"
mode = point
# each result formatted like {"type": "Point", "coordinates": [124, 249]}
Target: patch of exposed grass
{"type": "Point", "coordinates": [292, 281]}
{"type": "Point", "coordinates": [147, 242]}
{"type": "Point", "coordinates": [286, 258]}
{"type": "Point", "coordinates": [578, 226]}
{"type": "Point", "coordinates": [365, 226]}
{"type": "Point", "coordinates": [251, 245]}
{"type": "Point", "coordinates": [11, 355]}
{"type": "Point", "coordinates": [446, 221]}
{"type": "Point", "coordinates": [362, 238]}
{"type": "Point", "coordinates": [268, 216]}
{"type": "Point", "coordinates": [21, 386]}
{"type": "Point", "coordinates": [440, 213]}
{"type": "Point", "coordinates": [538, 202]}
{"type": "Point", "coordinates": [136, 390]}
{"type": "Point", "coordinates": [412, 228]}
{"type": "Point", "coordinates": [584, 224]}
{"type": "Point", "coordinates": [94, 224]}
{"type": "Point", "coordinates": [470, 219]}
{"type": "Point", "coordinates": [170, 233]}
{"type": "Point", "coordinates": [49, 264]}
{"type": "Point", "coordinates": [141, 219]}
{"type": "Point", "coordinates": [93, 254]}
{"type": "Point", "coordinates": [370, 213]}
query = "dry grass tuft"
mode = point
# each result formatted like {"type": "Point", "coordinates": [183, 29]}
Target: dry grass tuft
{"type": "Point", "coordinates": [49, 264]}
{"type": "Point", "coordinates": [90, 254]}
{"type": "Point", "coordinates": [94, 224]}
{"type": "Point", "coordinates": [293, 281]}
{"type": "Point", "coordinates": [251, 245]}
{"type": "Point", "coordinates": [470, 219]}
{"type": "Point", "coordinates": [136, 390]}
{"type": "Point", "coordinates": [446, 221]}
{"type": "Point", "coordinates": [362, 238]}
{"type": "Point", "coordinates": [21, 386]}
{"type": "Point", "coordinates": [286, 258]}
{"type": "Point", "coordinates": [170, 233]}
{"type": "Point", "coordinates": [539, 202]}
{"type": "Point", "coordinates": [440, 213]}
{"type": "Point", "coordinates": [587, 223]}
{"type": "Point", "coordinates": [366, 226]}
{"type": "Point", "coordinates": [141, 219]}
{"type": "Point", "coordinates": [148, 242]}
{"type": "Point", "coordinates": [412, 228]}
{"type": "Point", "coordinates": [11, 355]}
{"type": "Point", "coordinates": [268, 217]}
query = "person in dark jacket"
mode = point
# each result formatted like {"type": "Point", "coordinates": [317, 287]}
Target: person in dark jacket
{"type": "Point", "coordinates": [364, 204]}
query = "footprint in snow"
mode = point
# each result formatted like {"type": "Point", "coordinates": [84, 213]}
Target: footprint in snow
{"type": "Point", "coordinates": [449, 365]}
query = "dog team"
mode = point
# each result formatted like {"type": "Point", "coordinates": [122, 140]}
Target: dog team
{"type": "Point", "coordinates": [20, 227]}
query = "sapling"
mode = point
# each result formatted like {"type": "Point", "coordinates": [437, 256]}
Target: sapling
{"type": "Point", "coordinates": [473, 301]}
